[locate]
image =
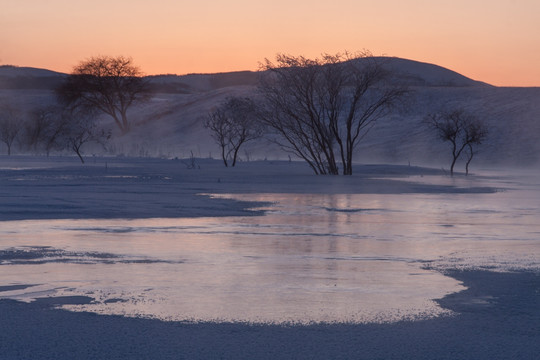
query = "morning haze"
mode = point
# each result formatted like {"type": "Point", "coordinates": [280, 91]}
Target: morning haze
{"type": "Point", "coordinates": [292, 196]}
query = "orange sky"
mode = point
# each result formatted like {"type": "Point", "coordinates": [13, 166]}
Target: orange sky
{"type": "Point", "coordinates": [496, 41]}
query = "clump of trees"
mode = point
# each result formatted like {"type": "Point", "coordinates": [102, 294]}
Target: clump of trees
{"type": "Point", "coordinates": [80, 128]}
{"type": "Point", "coordinates": [104, 84]}
{"type": "Point", "coordinates": [318, 109]}
{"type": "Point", "coordinates": [44, 130]}
{"type": "Point", "coordinates": [464, 131]}
{"type": "Point", "coordinates": [108, 84]}
{"type": "Point", "coordinates": [50, 128]}
{"type": "Point", "coordinates": [233, 123]}
{"type": "Point", "coordinates": [322, 108]}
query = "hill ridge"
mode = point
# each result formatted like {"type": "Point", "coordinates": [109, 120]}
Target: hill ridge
{"type": "Point", "coordinates": [408, 72]}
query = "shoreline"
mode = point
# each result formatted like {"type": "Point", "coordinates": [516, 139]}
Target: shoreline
{"type": "Point", "coordinates": [497, 317]}
{"type": "Point", "coordinates": [125, 188]}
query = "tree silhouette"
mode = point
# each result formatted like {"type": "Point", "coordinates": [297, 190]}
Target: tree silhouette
{"type": "Point", "coordinates": [233, 123]}
{"type": "Point", "coordinates": [464, 131]}
{"type": "Point", "coordinates": [322, 108]}
{"type": "Point", "coordinates": [110, 84]}
{"type": "Point", "coordinates": [10, 125]}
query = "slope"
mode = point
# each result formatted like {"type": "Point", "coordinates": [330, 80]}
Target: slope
{"type": "Point", "coordinates": [171, 125]}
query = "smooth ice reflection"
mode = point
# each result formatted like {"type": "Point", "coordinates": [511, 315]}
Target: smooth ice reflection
{"type": "Point", "coordinates": [347, 258]}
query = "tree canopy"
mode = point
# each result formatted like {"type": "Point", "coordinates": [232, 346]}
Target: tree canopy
{"type": "Point", "coordinates": [321, 108]}
{"type": "Point", "coordinates": [233, 123]}
{"type": "Point", "coordinates": [463, 130]}
{"type": "Point", "coordinates": [108, 84]}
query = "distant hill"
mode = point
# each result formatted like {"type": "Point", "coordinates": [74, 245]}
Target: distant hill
{"type": "Point", "coordinates": [20, 71]}
{"type": "Point", "coordinates": [201, 82]}
{"type": "Point", "coordinates": [415, 73]}
{"type": "Point", "coordinates": [171, 124]}
{"type": "Point", "coordinates": [14, 77]}
{"type": "Point", "coordinates": [408, 72]}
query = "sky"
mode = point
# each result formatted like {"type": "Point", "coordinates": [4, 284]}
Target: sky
{"type": "Point", "coordinates": [495, 41]}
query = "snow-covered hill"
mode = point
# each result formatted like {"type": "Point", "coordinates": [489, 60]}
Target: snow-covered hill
{"type": "Point", "coordinates": [14, 77]}
{"type": "Point", "coordinates": [18, 71]}
{"type": "Point", "coordinates": [415, 73]}
{"type": "Point", "coordinates": [171, 124]}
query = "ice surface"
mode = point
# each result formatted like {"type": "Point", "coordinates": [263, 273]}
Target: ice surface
{"type": "Point", "coordinates": [369, 248]}
{"type": "Point", "coordinates": [389, 263]}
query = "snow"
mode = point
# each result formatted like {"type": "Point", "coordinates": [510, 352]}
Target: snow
{"type": "Point", "coordinates": [80, 245]}
{"type": "Point", "coordinates": [16, 71]}
{"type": "Point", "coordinates": [495, 316]}
{"type": "Point", "coordinates": [171, 125]}
{"type": "Point", "coordinates": [425, 74]}
{"type": "Point", "coordinates": [140, 188]}
{"type": "Point", "coordinates": [504, 325]}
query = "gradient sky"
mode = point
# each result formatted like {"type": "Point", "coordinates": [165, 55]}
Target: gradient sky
{"type": "Point", "coordinates": [496, 41]}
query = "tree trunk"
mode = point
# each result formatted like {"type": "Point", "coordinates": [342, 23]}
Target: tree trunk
{"type": "Point", "coordinates": [471, 154]}
{"type": "Point", "coordinates": [78, 152]}
{"type": "Point", "coordinates": [235, 155]}
{"type": "Point", "coordinates": [224, 156]}
{"type": "Point", "coordinates": [125, 123]}
{"type": "Point", "coordinates": [347, 167]}
{"type": "Point", "coordinates": [452, 166]}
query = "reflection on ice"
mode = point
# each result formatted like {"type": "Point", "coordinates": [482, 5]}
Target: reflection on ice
{"type": "Point", "coordinates": [311, 258]}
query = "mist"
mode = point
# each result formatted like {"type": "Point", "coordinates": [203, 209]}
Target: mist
{"type": "Point", "coordinates": [171, 124]}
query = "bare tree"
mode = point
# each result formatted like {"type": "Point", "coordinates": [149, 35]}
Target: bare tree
{"type": "Point", "coordinates": [322, 108]}
{"type": "Point", "coordinates": [33, 128]}
{"type": "Point", "coordinates": [233, 123]}
{"type": "Point", "coordinates": [476, 132]}
{"type": "Point", "coordinates": [38, 128]}
{"type": "Point", "coordinates": [464, 131]}
{"type": "Point", "coordinates": [110, 84]}
{"type": "Point", "coordinates": [48, 128]}
{"type": "Point", "coordinates": [10, 125]}
{"type": "Point", "coordinates": [56, 131]}
{"type": "Point", "coordinates": [80, 128]}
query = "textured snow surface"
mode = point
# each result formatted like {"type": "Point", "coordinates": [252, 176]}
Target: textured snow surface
{"type": "Point", "coordinates": [171, 125]}
{"type": "Point", "coordinates": [495, 316]}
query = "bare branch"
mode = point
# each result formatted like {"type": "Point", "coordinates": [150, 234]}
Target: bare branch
{"type": "Point", "coordinates": [464, 132]}
{"type": "Point", "coordinates": [322, 108]}
{"type": "Point", "coordinates": [109, 84]}
{"type": "Point", "coordinates": [233, 124]}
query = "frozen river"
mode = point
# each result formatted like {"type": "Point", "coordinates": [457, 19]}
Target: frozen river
{"type": "Point", "coordinates": [311, 258]}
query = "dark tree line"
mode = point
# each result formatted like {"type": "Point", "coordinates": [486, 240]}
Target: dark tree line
{"type": "Point", "coordinates": [109, 85]}
{"type": "Point", "coordinates": [318, 109]}
{"type": "Point", "coordinates": [48, 129]}
{"type": "Point", "coordinates": [44, 130]}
